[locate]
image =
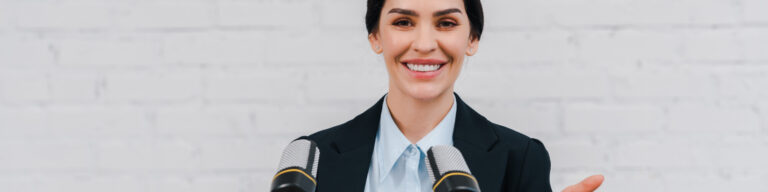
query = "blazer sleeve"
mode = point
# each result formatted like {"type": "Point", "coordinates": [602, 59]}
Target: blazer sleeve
{"type": "Point", "coordinates": [534, 174]}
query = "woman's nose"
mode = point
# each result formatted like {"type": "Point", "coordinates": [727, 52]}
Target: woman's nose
{"type": "Point", "coordinates": [425, 41]}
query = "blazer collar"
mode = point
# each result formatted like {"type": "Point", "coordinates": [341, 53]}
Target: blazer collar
{"type": "Point", "coordinates": [360, 131]}
{"type": "Point", "coordinates": [470, 127]}
{"type": "Point", "coordinates": [346, 170]}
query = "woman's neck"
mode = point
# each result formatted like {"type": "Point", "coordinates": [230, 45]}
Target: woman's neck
{"type": "Point", "coordinates": [416, 117]}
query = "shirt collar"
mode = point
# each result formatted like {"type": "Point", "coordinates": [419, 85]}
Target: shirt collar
{"type": "Point", "coordinates": [391, 143]}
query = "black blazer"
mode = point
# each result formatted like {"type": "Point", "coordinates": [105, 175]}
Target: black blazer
{"type": "Point", "coordinates": [500, 158]}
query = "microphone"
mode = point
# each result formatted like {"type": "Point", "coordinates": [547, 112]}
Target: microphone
{"type": "Point", "coordinates": [448, 171]}
{"type": "Point", "coordinates": [297, 171]}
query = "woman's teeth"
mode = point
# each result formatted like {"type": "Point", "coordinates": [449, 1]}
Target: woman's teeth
{"type": "Point", "coordinates": [423, 68]}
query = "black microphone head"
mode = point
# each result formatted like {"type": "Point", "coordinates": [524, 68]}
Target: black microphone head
{"type": "Point", "coordinates": [297, 171]}
{"type": "Point", "coordinates": [448, 171]}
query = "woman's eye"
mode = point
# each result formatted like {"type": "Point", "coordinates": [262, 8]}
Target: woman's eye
{"type": "Point", "coordinates": [402, 23]}
{"type": "Point", "coordinates": [446, 24]}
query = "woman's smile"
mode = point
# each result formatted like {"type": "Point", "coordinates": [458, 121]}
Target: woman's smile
{"type": "Point", "coordinates": [423, 68]}
{"type": "Point", "coordinates": [423, 43]}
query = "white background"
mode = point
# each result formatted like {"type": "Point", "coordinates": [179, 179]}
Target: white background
{"type": "Point", "coordinates": [202, 95]}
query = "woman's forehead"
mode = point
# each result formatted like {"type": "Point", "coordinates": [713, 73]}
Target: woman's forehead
{"type": "Point", "coordinates": [423, 5]}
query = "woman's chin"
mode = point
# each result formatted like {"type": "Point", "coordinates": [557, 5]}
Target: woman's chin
{"type": "Point", "coordinates": [425, 93]}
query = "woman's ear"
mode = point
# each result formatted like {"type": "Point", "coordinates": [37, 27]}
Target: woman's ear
{"type": "Point", "coordinates": [373, 38]}
{"type": "Point", "coordinates": [472, 46]}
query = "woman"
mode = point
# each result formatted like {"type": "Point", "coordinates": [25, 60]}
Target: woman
{"type": "Point", "coordinates": [424, 43]}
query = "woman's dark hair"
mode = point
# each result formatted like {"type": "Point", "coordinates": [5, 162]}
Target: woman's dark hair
{"type": "Point", "coordinates": [473, 7]}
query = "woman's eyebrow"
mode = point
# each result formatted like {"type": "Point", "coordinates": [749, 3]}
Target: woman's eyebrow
{"type": "Point", "coordinates": [446, 12]}
{"type": "Point", "coordinates": [403, 11]}
{"type": "Point", "coordinates": [413, 13]}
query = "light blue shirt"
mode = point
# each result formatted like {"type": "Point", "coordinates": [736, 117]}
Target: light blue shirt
{"type": "Point", "coordinates": [398, 165]}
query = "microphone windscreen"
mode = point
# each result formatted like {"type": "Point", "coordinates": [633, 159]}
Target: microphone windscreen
{"type": "Point", "coordinates": [301, 153]}
{"type": "Point", "coordinates": [444, 158]}
{"type": "Point", "coordinates": [448, 170]}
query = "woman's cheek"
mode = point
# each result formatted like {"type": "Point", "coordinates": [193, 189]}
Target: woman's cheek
{"type": "Point", "coordinates": [399, 44]}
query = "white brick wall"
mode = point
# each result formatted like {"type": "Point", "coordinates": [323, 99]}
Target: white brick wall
{"type": "Point", "coordinates": [202, 95]}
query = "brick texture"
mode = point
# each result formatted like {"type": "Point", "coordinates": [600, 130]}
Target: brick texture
{"type": "Point", "coordinates": [202, 95]}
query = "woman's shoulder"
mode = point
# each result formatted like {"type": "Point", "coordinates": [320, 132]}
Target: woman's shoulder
{"type": "Point", "coordinates": [516, 141]}
{"type": "Point", "coordinates": [359, 129]}
{"type": "Point", "coordinates": [325, 134]}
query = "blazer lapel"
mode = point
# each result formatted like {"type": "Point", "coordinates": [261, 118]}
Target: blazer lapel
{"type": "Point", "coordinates": [348, 169]}
{"type": "Point", "coordinates": [475, 137]}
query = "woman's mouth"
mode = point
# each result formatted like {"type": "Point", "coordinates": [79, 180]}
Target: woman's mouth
{"type": "Point", "coordinates": [423, 68]}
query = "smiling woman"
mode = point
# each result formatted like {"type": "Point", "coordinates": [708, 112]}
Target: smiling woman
{"type": "Point", "coordinates": [424, 43]}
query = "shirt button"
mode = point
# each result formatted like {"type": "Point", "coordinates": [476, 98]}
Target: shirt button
{"type": "Point", "coordinates": [412, 151]}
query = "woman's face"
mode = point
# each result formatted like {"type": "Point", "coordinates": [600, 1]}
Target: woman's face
{"type": "Point", "coordinates": [423, 43]}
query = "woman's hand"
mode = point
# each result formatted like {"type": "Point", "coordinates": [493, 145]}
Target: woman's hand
{"type": "Point", "coordinates": [587, 185]}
